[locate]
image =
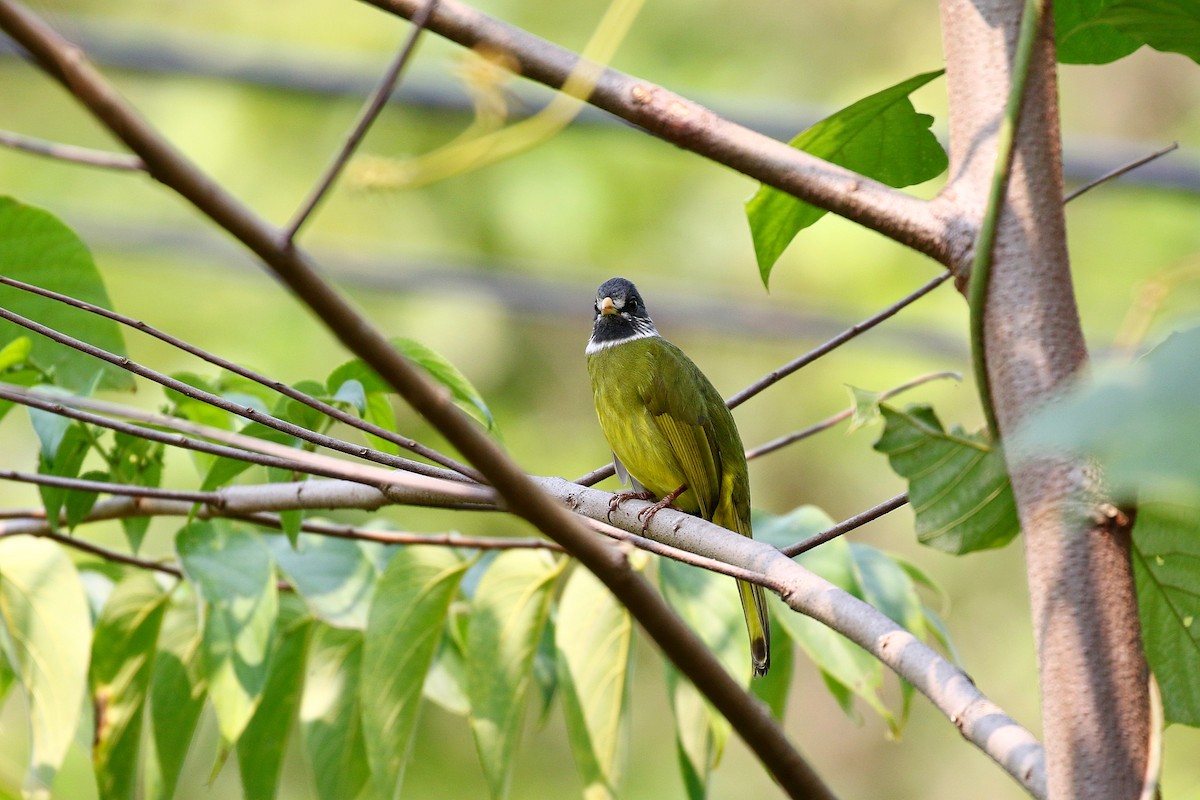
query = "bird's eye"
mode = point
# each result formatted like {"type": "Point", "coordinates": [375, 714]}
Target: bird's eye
{"type": "Point", "coordinates": [632, 303]}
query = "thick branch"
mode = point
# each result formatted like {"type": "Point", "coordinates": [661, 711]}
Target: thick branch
{"type": "Point", "coordinates": [751, 719]}
{"type": "Point", "coordinates": [899, 216]}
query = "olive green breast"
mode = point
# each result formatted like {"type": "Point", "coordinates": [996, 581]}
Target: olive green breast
{"type": "Point", "coordinates": [669, 426]}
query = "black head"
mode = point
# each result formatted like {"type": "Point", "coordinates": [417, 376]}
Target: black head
{"type": "Point", "coordinates": [619, 314]}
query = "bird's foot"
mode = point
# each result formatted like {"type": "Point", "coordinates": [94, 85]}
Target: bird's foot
{"type": "Point", "coordinates": [647, 514]}
{"type": "Point", "coordinates": [621, 497]}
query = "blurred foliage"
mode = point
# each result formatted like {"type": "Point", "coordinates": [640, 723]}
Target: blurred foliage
{"type": "Point", "coordinates": [495, 271]}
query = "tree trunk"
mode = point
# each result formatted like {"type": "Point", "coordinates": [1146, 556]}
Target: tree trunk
{"type": "Point", "coordinates": [1095, 709]}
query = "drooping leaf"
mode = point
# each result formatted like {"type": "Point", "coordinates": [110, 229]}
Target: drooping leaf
{"type": "Point", "coordinates": [594, 636]}
{"type": "Point", "coordinates": [465, 395]}
{"type": "Point", "coordinates": [1082, 39]}
{"type": "Point", "coordinates": [508, 611]}
{"type": "Point", "coordinates": [37, 248]}
{"type": "Point", "coordinates": [136, 461]}
{"type": "Point", "coordinates": [1166, 567]}
{"type": "Point", "coordinates": [331, 714]}
{"type": "Point", "coordinates": [78, 504]}
{"type": "Point", "coordinates": [881, 136]}
{"type": "Point", "coordinates": [446, 681]}
{"type": "Point", "coordinates": [336, 577]}
{"type": "Point", "coordinates": [47, 631]}
{"type": "Point", "coordinates": [957, 483]}
{"type": "Point", "coordinates": [1172, 26]}
{"type": "Point", "coordinates": [403, 632]}
{"type": "Point", "coordinates": [709, 605]}
{"type": "Point", "coordinates": [262, 745]}
{"type": "Point", "coordinates": [232, 571]}
{"type": "Point", "coordinates": [123, 651]}
{"type": "Point", "coordinates": [63, 462]}
{"type": "Point", "coordinates": [1136, 420]}
{"type": "Point", "coordinates": [177, 693]}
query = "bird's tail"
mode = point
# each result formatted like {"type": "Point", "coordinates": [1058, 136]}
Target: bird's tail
{"type": "Point", "coordinates": [758, 625]}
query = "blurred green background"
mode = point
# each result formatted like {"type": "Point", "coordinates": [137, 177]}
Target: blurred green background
{"type": "Point", "coordinates": [496, 270]}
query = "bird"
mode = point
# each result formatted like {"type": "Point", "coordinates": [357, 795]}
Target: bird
{"type": "Point", "coordinates": [671, 434]}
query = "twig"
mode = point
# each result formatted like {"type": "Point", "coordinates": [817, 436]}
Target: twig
{"type": "Point", "coordinates": [104, 487]}
{"type": "Point", "coordinates": [830, 421]}
{"type": "Point", "coordinates": [405, 538]}
{"type": "Point", "coordinates": [607, 471]}
{"type": "Point", "coordinates": [837, 341]}
{"type": "Point", "coordinates": [366, 118]}
{"type": "Point", "coordinates": [103, 552]}
{"type": "Point", "coordinates": [277, 386]}
{"type": "Point", "coordinates": [1119, 171]}
{"type": "Point", "coordinates": [72, 153]}
{"type": "Point", "coordinates": [689, 125]}
{"type": "Point", "coordinates": [246, 412]}
{"type": "Point", "coordinates": [857, 521]}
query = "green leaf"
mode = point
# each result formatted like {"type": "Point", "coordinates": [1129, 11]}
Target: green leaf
{"type": "Point", "coordinates": [1166, 567]}
{"type": "Point", "coordinates": [509, 609]}
{"type": "Point", "coordinates": [46, 635]}
{"type": "Point", "coordinates": [37, 248]}
{"type": "Point", "coordinates": [957, 484]}
{"type": "Point", "coordinates": [64, 462]}
{"type": "Point", "coordinates": [177, 693]}
{"type": "Point", "coordinates": [232, 571]}
{"type": "Point", "coordinates": [403, 632]}
{"type": "Point", "coordinates": [465, 395]}
{"type": "Point", "coordinates": [594, 636]}
{"type": "Point", "coordinates": [881, 137]}
{"type": "Point", "coordinates": [123, 649]}
{"type": "Point", "coordinates": [15, 353]}
{"type": "Point", "coordinates": [263, 743]}
{"type": "Point", "coordinates": [1082, 40]}
{"type": "Point", "coordinates": [446, 681]}
{"type": "Point", "coordinates": [330, 714]}
{"type": "Point", "coordinates": [1137, 420]}
{"type": "Point", "coordinates": [709, 604]}
{"type": "Point", "coordinates": [78, 504]}
{"type": "Point", "coordinates": [335, 577]}
{"type": "Point", "coordinates": [136, 461]}
{"type": "Point", "coordinates": [866, 407]}
{"type": "Point", "coordinates": [1172, 26]}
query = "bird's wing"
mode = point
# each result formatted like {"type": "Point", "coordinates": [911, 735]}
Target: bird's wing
{"type": "Point", "coordinates": [676, 398]}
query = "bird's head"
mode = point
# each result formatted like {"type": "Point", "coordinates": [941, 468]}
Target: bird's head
{"type": "Point", "coordinates": [620, 314]}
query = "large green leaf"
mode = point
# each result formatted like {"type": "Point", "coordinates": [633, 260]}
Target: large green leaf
{"type": "Point", "coordinates": [46, 631]}
{"type": "Point", "coordinates": [1172, 26]}
{"type": "Point", "coordinates": [1138, 420]}
{"type": "Point", "coordinates": [594, 636]}
{"type": "Point", "coordinates": [1082, 40]}
{"type": "Point", "coordinates": [881, 136]}
{"type": "Point", "coordinates": [465, 395]}
{"type": "Point", "coordinates": [36, 247]}
{"type": "Point", "coordinates": [331, 715]}
{"type": "Point", "coordinates": [336, 577]}
{"type": "Point", "coordinates": [262, 745]}
{"type": "Point", "coordinates": [403, 632]}
{"type": "Point", "coordinates": [123, 649]}
{"type": "Point", "coordinates": [709, 604]}
{"type": "Point", "coordinates": [232, 571]}
{"type": "Point", "coordinates": [509, 610]}
{"type": "Point", "coordinates": [1166, 566]}
{"type": "Point", "coordinates": [177, 693]}
{"type": "Point", "coordinates": [957, 484]}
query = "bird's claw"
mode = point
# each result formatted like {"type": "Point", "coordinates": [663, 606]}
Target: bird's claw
{"type": "Point", "coordinates": [621, 497]}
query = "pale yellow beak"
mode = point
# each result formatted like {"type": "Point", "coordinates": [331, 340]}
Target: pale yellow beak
{"type": "Point", "coordinates": [606, 307]}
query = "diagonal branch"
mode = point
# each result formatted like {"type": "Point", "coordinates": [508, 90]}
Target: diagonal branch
{"type": "Point", "coordinates": [681, 122]}
{"type": "Point", "coordinates": [751, 719]}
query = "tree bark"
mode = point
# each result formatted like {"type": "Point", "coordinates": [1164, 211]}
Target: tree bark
{"type": "Point", "coordinates": [1095, 705]}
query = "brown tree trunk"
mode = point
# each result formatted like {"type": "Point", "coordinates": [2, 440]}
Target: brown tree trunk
{"type": "Point", "coordinates": [1095, 709]}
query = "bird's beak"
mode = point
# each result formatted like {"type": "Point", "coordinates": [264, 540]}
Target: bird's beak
{"type": "Point", "coordinates": [607, 308]}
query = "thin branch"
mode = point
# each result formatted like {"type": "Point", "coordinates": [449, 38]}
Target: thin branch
{"type": "Point", "coordinates": [102, 552]}
{"type": "Point", "coordinates": [277, 386]}
{"type": "Point", "coordinates": [844, 527]}
{"type": "Point", "coordinates": [830, 421]}
{"type": "Point", "coordinates": [358, 533]}
{"type": "Point", "coordinates": [1119, 171]}
{"type": "Point", "coordinates": [72, 153]}
{"type": "Point", "coordinates": [899, 216]}
{"type": "Point", "coordinates": [366, 118]}
{"type": "Point", "coordinates": [246, 412]}
{"type": "Point", "coordinates": [104, 487]}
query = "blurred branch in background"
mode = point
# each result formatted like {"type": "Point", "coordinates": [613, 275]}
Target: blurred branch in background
{"type": "Point", "coordinates": [159, 50]}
